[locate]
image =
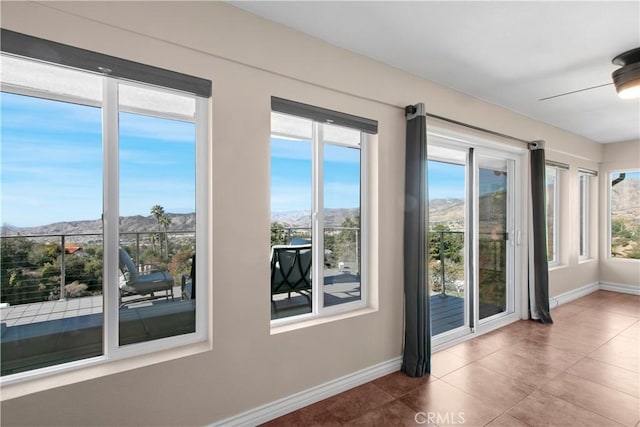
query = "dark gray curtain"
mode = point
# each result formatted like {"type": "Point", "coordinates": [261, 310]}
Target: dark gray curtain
{"type": "Point", "coordinates": [538, 263]}
{"type": "Point", "coordinates": [417, 336]}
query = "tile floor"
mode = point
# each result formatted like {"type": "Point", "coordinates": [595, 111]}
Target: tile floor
{"type": "Point", "coordinates": [584, 370]}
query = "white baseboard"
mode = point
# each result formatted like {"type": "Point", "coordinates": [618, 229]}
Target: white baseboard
{"type": "Point", "coordinates": [620, 287]}
{"type": "Point", "coordinates": [573, 294]}
{"type": "Point", "coordinates": [315, 394]}
{"type": "Point", "coordinates": [592, 287]}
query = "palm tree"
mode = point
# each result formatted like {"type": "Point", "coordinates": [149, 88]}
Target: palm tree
{"type": "Point", "coordinates": [164, 222]}
{"type": "Point", "coordinates": [157, 212]}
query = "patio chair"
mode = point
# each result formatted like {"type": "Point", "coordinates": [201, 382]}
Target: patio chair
{"type": "Point", "coordinates": [290, 271]}
{"type": "Point", "coordinates": [135, 283]}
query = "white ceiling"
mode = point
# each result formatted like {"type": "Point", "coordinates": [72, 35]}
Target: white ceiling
{"type": "Point", "coordinates": [508, 53]}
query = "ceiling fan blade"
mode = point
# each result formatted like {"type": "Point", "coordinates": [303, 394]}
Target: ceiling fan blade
{"type": "Point", "coordinates": [575, 91]}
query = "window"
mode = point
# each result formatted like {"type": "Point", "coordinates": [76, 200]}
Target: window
{"type": "Point", "coordinates": [584, 188]}
{"type": "Point", "coordinates": [102, 181]}
{"type": "Point", "coordinates": [552, 214]}
{"type": "Point", "coordinates": [584, 216]}
{"type": "Point", "coordinates": [318, 213]}
{"type": "Point", "coordinates": [624, 217]}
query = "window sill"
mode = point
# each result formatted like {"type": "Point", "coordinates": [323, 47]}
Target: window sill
{"type": "Point", "coordinates": [88, 369]}
{"type": "Point", "coordinates": [586, 260]}
{"type": "Point", "coordinates": [279, 329]}
{"type": "Point", "coordinates": [555, 267]}
{"type": "Point", "coordinates": [622, 259]}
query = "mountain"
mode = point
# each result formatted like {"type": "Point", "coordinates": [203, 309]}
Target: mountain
{"type": "Point", "coordinates": [128, 224]}
{"type": "Point", "coordinates": [179, 222]}
{"type": "Point", "coordinates": [625, 204]}
{"type": "Point", "coordinates": [446, 211]}
{"type": "Point", "coordinates": [302, 219]}
{"type": "Point", "coordinates": [441, 211]}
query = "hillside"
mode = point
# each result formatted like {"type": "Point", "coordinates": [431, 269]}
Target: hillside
{"type": "Point", "coordinates": [441, 211]}
{"type": "Point", "coordinates": [179, 222]}
{"type": "Point", "coordinates": [446, 211]}
{"type": "Point", "coordinates": [302, 219]}
{"type": "Point", "coordinates": [128, 224]}
{"type": "Point", "coordinates": [625, 204]}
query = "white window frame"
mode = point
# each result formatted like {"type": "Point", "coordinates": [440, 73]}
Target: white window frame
{"type": "Point", "coordinates": [317, 224]}
{"type": "Point", "coordinates": [609, 197]}
{"type": "Point", "coordinates": [555, 244]}
{"type": "Point", "coordinates": [448, 138]}
{"type": "Point", "coordinates": [112, 351]}
{"type": "Point", "coordinates": [584, 221]}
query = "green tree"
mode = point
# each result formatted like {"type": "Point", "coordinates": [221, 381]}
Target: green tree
{"type": "Point", "coordinates": [452, 243]}
{"type": "Point", "coordinates": [278, 234]}
{"type": "Point", "coordinates": [93, 268]}
{"type": "Point", "coordinates": [445, 255]}
{"type": "Point", "coordinates": [14, 260]}
{"type": "Point", "coordinates": [624, 235]}
{"type": "Point", "coordinates": [51, 269]}
{"type": "Point", "coordinates": [619, 229]}
{"type": "Point", "coordinates": [345, 243]}
{"type": "Point", "coordinates": [180, 262]}
{"type": "Point", "coordinates": [40, 254]}
{"type": "Point", "coordinates": [17, 289]}
{"type": "Point", "coordinates": [15, 251]}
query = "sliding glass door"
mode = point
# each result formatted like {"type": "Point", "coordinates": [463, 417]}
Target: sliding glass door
{"type": "Point", "coordinates": [447, 262]}
{"type": "Point", "coordinates": [494, 213]}
{"type": "Point", "coordinates": [471, 238]}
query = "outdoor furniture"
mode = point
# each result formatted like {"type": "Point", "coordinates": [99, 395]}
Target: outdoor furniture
{"type": "Point", "coordinates": [135, 283]}
{"type": "Point", "coordinates": [188, 284]}
{"type": "Point", "coordinates": [290, 271]}
{"type": "Point", "coordinates": [328, 254]}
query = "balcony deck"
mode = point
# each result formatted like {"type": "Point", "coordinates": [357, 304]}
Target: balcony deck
{"type": "Point", "coordinates": [339, 287]}
{"type": "Point", "coordinates": [37, 312]}
{"type": "Point", "coordinates": [447, 312]}
{"type": "Point", "coordinates": [52, 332]}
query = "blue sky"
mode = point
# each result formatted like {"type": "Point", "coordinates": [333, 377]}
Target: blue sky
{"type": "Point", "coordinates": [446, 180]}
{"type": "Point", "coordinates": [51, 162]}
{"type": "Point", "coordinates": [628, 175]}
{"type": "Point", "coordinates": [291, 176]}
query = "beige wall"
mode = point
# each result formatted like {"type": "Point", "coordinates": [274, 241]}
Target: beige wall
{"type": "Point", "coordinates": [572, 272]}
{"type": "Point", "coordinates": [617, 157]}
{"type": "Point", "coordinates": [248, 60]}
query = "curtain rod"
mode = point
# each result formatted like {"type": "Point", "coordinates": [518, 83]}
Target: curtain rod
{"type": "Point", "coordinates": [467, 125]}
{"type": "Point", "coordinates": [413, 109]}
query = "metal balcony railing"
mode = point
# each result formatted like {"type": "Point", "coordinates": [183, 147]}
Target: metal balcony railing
{"type": "Point", "coordinates": [447, 250]}
{"type": "Point", "coordinates": [342, 245]}
{"type": "Point", "coordinates": [35, 268]}
{"type": "Point", "coordinates": [20, 266]}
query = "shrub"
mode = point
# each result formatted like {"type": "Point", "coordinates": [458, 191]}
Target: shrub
{"type": "Point", "coordinates": [76, 289]}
